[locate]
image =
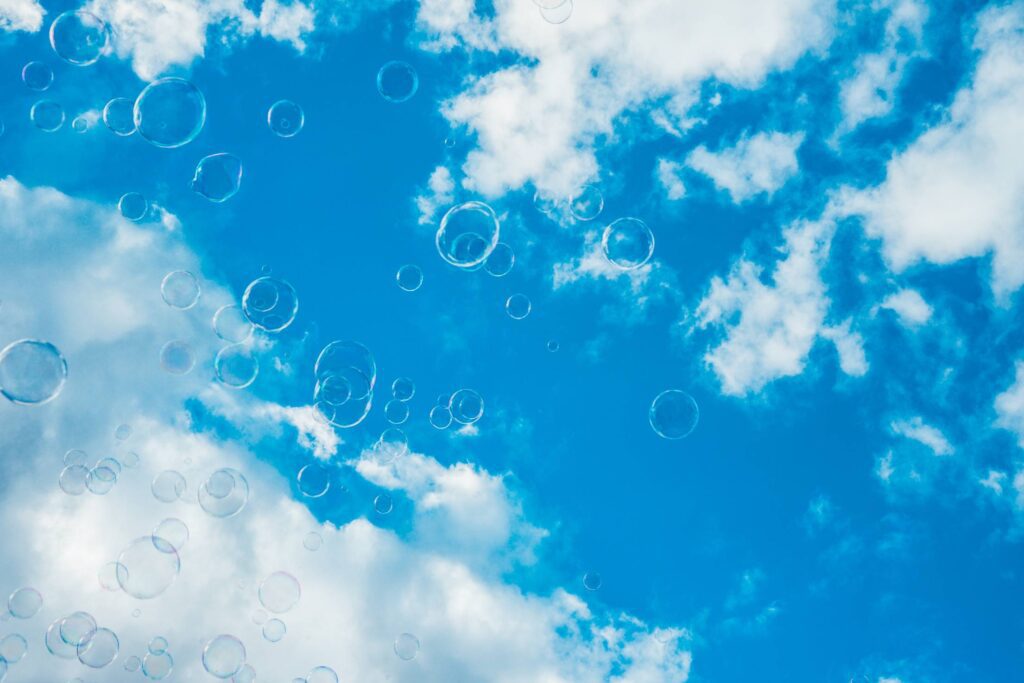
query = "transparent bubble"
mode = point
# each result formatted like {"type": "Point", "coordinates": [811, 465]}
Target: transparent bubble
{"type": "Point", "coordinates": [468, 234]}
{"type": "Point", "coordinates": [559, 14]}
{"type": "Point", "coordinates": [24, 603]}
{"type": "Point", "coordinates": [383, 504]}
{"type": "Point", "coordinates": [37, 76]}
{"type": "Point", "coordinates": [403, 388]}
{"type": "Point", "coordinates": [55, 645]}
{"type": "Point", "coordinates": [351, 361]}
{"type": "Point", "coordinates": [409, 278]}
{"type": "Point", "coordinates": [110, 463]}
{"type": "Point", "coordinates": [107, 576]}
{"type": "Point", "coordinates": [157, 645]}
{"type": "Point", "coordinates": [119, 117]}
{"type": "Point", "coordinates": [218, 177]}
{"type": "Point", "coordinates": [314, 480]}
{"type": "Point", "coordinates": [122, 432]}
{"type": "Point", "coordinates": [32, 372]}
{"type": "Point", "coordinates": [440, 417]}
{"type": "Point", "coordinates": [171, 533]}
{"type": "Point", "coordinates": [591, 581]}
{"type": "Point", "coordinates": [13, 648]}
{"type": "Point", "coordinates": [274, 630]}
{"type": "Point", "coordinates": [393, 443]}
{"type": "Point", "coordinates": [279, 592]}
{"type": "Point", "coordinates": [130, 459]}
{"type": "Point", "coordinates": [322, 674]}
{"type": "Point", "coordinates": [168, 486]}
{"type": "Point", "coordinates": [501, 260]}
{"type": "Point", "coordinates": [76, 629]}
{"type": "Point", "coordinates": [347, 415]}
{"type": "Point", "coordinates": [518, 306]}
{"type": "Point", "coordinates": [220, 501]}
{"type": "Point", "coordinates": [132, 664]}
{"type": "Point", "coordinates": [552, 345]}
{"type": "Point", "coordinates": [231, 325]}
{"type": "Point", "coordinates": [466, 406]}
{"type": "Point", "coordinates": [397, 81]}
{"type": "Point", "coordinates": [235, 366]}
{"type": "Point", "coordinates": [47, 115]}
{"type": "Point", "coordinates": [177, 357]}
{"type": "Point", "coordinates": [79, 37]}
{"type": "Point", "coordinates": [312, 541]}
{"type": "Point", "coordinates": [259, 617]}
{"type": "Point", "coordinates": [546, 204]}
{"type": "Point", "coordinates": [80, 124]}
{"type": "Point", "coordinates": [72, 479]}
{"type": "Point", "coordinates": [180, 289]}
{"type": "Point", "coordinates": [587, 203]}
{"type": "Point", "coordinates": [396, 411]}
{"type": "Point", "coordinates": [99, 649]}
{"type": "Point", "coordinates": [224, 656]}
{"type": "Point", "coordinates": [100, 480]}
{"type": "Point", "coordinates": [245, 675]}
{"type": "Point", "coordinates": [627, 243]}
{"type": "Point", "coordinates": [673, 414]}
{"type": "Point", "coordinates": [270, 303]}
{"type": "Point", "coordinates": [144, 570]}
{"type": "Point", "coordinates": [133, 206]}
{"type": "Point", "coordinates": [336, 390]}
{"type": "Point", "coordinates": [170, 112]}
{"type": "Point", "coordinates": [285, 118]}
{"type": "Point", "coordinates": [76, 456]}
{"type": "Point", "coordinates": [407, 646]}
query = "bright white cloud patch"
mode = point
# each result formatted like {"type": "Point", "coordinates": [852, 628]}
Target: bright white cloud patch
{"type": "Point", "coordinates": [1009, 406]}
{"type": "Point", "coordinates": [757, 164]}
{"type": "Point", "coordinates": [909, 306]}
{"type": "Point", "coordinates": [849, 347]}
{"type": "Point", "coordinates": [669, 175]}
{"type": "Point", "coordinates": [916, 429]}
{"type": "Point", "coordinates": [21, 15]}
{"type": "Point", "coordinates": [440, 193]}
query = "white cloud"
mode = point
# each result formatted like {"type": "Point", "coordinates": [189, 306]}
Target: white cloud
{"type": "Point", "coordinates": [21, 15]}
{"type": "Point", "coordinates": [286, 22]}
{"type": "Point", "coordinates": [909, 306]}
{"type": "Point", "coordinates": [1009, 406]}
{"type": "Point", "coordinates": [850, 348]}
{"type": "Point", "coordinates": [916, 429]}
{"type": "Point", "coordinates": [440, 193]}
{"type": "Point", "coordinates": [755, 165]}
{"type": "Point", "coordinates": [669, 175]}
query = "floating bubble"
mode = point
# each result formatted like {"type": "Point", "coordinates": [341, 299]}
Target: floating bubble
{"type": "Point", "coordinates": [107, 576]}
{"type": "Point", "coordinates": [468, 234]}
{"type": "Point", "coordinates": [351, 361]}
{"type": "Point", "coordinates": [235, 366]}
{"type": "Point", "coordinates": [168, 486]}
{"type": "Point", "coordinates": [72, 479]}
{"type": "Point", "coordinates": [111, 464]}
{"type": "Point", "coordinates": [76, 456]}
{"type": "Point", "coordinates": [224, 656]}
{"type": "Point", "coordinates": [218, 177]}
{"type": "Point", "coordinates": [396, 411]}
{"type": "Point", "coordinates": [130, 459]}
{"type": "Point", "coordinates": [37, 76]}
{"type": "Point", "coordinates": [270, 303]}
{"type": "Point", "coordinates": [133, 206]}
{"type": "Point", "coordinates": [76, 628]}
{"type": "Point", "coordinates": [79, 37]}
{"type": "Point", "coordinates": [314, 480]}
{"type": "Point", "coordinates": [403, 388]}
{"type": "Point", "coordinates": [559, 14]}
{"type": "Point", "coordinates": [383, 504]}
{"type": "Point", "coordinates": [397, 81]}
{"type": "Point", "coordinates": [673, 414]}
{"type": "Point", "coordinates": [591, 581]}
{"type": "Point", "coordinates": [132, 664]}
{"type": "Point", "coordinates": [171, 533]}
{"type": "Point", "coordinates": [587, 204]}
{"type": "Point", "coordinates": [312, 541]}
{"type": "Point", "coordinates": [231, 325]}
{"type": "Point", "coordinates": [466, 406]}
{"type": "Point", "coordinates": [627, 243]}
{"type": "Point", "coordinates": [54, 644]}
{"type": "Point", "coordinates": [552, 345]}
{"type": "Point", "coordinates": [80, 124]}
{"type": "Point", "coordinates": [225, 493]}
{"type": "Point", "coordinates": [279, 592]}
{"type": "Point", "coordinates": [518, 306]}
{"type": "Point", "coordinates": [47, 115]}
{"type": "Point", "coordinates": [393, 443]}
{"type": "Point", "coordinates": [180, 289]}
{"type": "Point", "coordinates": [122, 432]}
{"type": "Point", "coordinates": [144, 570]}
{"type": "Point", "coordinates": [118, 116]}
{"type": "Point", "coordinates": [440, 417]}
{"type": "Point", "coordinates": [31, 372]}
{"type": "Point", "coordinates": [501, 260]}
{"type": "Point", "coordinates": [157, 645]}
{"type": "Point", "coordinates": [274, 630]}
{"type": "Point", "coordinates": [335, 390]}
{"type": "Point", "coordinates": [24, 603]}
{"type": "Point", "coordinates": [13, 648]}
{"type": "Point", "coordinates": [409, 278]}
{"type": "Point", "coordinates": [407, 646]}
{"type": "Point", "coordinates": [99, 649]}
{"type": "Point", "coordinates": [100, 480]}
{"type": "Point", "coordinates": [246, 674]}
{"type": "Point", "coordinates": [170, 112]}
{"type": "Point", "coordinates": [322, 674]}
{"type": "Point", "coordinates": [546, 204]}
{"type": "Point", "coordinates": [285, 118]}
{"type": "Point", "coordinates": [177, 357]}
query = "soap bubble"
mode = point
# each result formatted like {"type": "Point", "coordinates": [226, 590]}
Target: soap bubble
{"type": "Point", "coordinates": [396, 411]}
{"type": "Point", "coordinates": [100, 480]}
{"type": "Point", "coordinates": [171, 533]}
{"type": "Point", "coordinates": [157, 666]}
{"type": "Point", "coordinates": [673, 414]}
{"type": "Point", "coordinates": [270, 303]}
{"type": "Point", "coordinates": [24, 603]}
{"type": "Point", "coordinates": [383, 504]}
{"type": "Point", "coordinates": [157, 645]}
{"type": "Point", "coordinates": [285, 118]}
{"type": "Point", "coordinates": [79, 37]}
{"type": "Point", "coordinates": [322, 674]}
{"type": "Point", "coordinates": [468, 234]}
{"type": "Point", "coordinates": [279, 592]}
{"type": "Point", "coordinates": [110, 463]}
{"type": "Point", "coordinates": [130, 459]}
{"type": "Point", "coordinates": [145, 570]}
{"type": "Point", "coordinates": [56, 645]}
{"type": "Point", "coordinates": [13, 648]}
{"type": "Point", "coordinates": [118, 115]}
{"type": "Point", "coordinates": [393, 443]}
{"type": "Point", "coordinates": [587, 204]}
{"type": "Point", "coordinates": [591, 581]}
{"type": "Point", "coordinates": [107, 576]}
{"type": "Point", "coordinates": [99, 649]}
{"type": "Point", "coordinates": [132, 664]}
{"type": "Point", "coordinates": [180, 289]}
{"type": "Point", "coordinates": [350, 361]}
{"type": "Point", "coordinates": [407, 646]}
{"type": "Point", "coordinates": [547, 204]}
{"type": "Point", "coordinates": [231, 325]}
{"type": "Point", "coordinates": [312, 541]}
{"type": "Point", "coordinates": [225, 493]}
{"type": "Point", "coordinates": [518, 306]}
{"type": "Point", "coordinates": [76, 628]}
{"type": "Point", "coordinates": [177, 357]}
{"type": "Point", "coordinates": [466, 406]}
{"type": "Point", "coordinates": [31, 372]}
{"type": "Point", "coordinates": [397, 82]}
{"type": "Point", "coordinates": [37, 76]}
{"type": "Point", "coordinates": [314, 480]}
{"type": "Point", "coordinates": [235, 366]}
{"type": "Point", "coordinates": [501, 260]}
{"type": "Point", "coordinates": [440, 417]}
{"type": "Point", "coordinates": [80, 124]}
{"type": "Point", "coordinates": [409, 278]}
{"type": "Point", "coordinates": [347, 415]}
{"type": "Point", "coordinates": [76, 456]}
{"type": "Point", "coordinates": [559, 14]}
{"type": "Point", "coordinates": [218, 177]}
{"type": "Point", "coordinates": [168, 486]}
{"type": "Point", "coordinates": [246, 674]}
{"type": "Point", "coordinates": [224, 656]}
{"type": "Point", "coordinates": [552, 345]}
{"type": "Point", "coordinates": [133, 206]}
{"type": "Point", "coordinates": [72, 479]}
{"type": "Point", "coordinates": [274, 630]}
{"type": "Point", "coordinates": [123, 432]}
{"type": "Point", "coordinates": [47, 115]}
{"type": "Point", "coordinates": [627, 243]}
{"type": "Point", "coordinates": [170, 112]}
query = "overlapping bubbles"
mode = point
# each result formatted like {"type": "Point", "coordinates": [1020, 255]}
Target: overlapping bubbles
{"type": "Point", "coordinates": [345, 376]}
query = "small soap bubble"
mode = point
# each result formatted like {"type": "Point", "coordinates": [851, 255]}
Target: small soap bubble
{"type": "Point", "coordinates": [312, 541]}
{"type": "Point", "coordinates": [72, 479]}
{"type": "Point", "coordinates": [80, 124]}
{"type": "Point", "coordinates": [409, 278]}
{"type": "Point", "coordinates": [407, 646]}
{"type": "Point", "coordinates": [403, 388]}
{"type": "Point", "coordinates": [627, 243]}
{"type": "Point", "coordinates": [231, 325]}
{"type": "Point", "coordinates": [170, 112]}
{"type": "Point", "coordinates": [158, 645]}
{"type": "Point", "coordinates": [314, 480]}
{"type": "Point", "coordinates": [518, 306]}
{"type": "Point", "coordinates": [177, 357]}
{"type": "Point", "coordinates": [383, 504]}
{"type": "Point", "coordinates": [440, 417]}
{"type": "Point", "coordinates": [673, 414]}
{"type": "Point", "coordinates": [397, 81]}
{"type": "Point", "coordinates": [47, 115]}
{"type": "Point", "coordinates": [246, 674]}
{"type": "Point", "coordinates": [501, 260]}
{"type": "Point", "coordinates": [396, 411]}
{"type": "Point", "coordinates": [285, 118]}
{"type": "Point", "coordinates": [279, 592]}
{"type": "Point", "coordinates": [130, 459]}
{"type": "Point", "coordinates": [37, 76]}
{"type": "Point", "coordinates": [274, 630]}
{"type": "Point", "coordinates": [123, 432]}
{"type": "Point", "coordinates": [591, 581]}
{"type": "Point", "coordinates": [132, 664]}
{"type": "Point", "coordinates": [168, 486]}
{"type": "Point", "coordinates": [559, 14]}
{"type": "Point", "coordinates": [180, 289]}
{"type": "Point", "coordinates": [552, 345]}
{"type": "Point", "coordinates": [224, 656]}
{"type": "Point", "coordinates": [218, 177]}
{"type": "Point", "coordinates": [118, 116]}
{"type": "Point", "coordinates": [133, 206]}
{"type": "Point", "coordinates": [235, 366]}
{"type": "Point", "coordinates": [32, 372]}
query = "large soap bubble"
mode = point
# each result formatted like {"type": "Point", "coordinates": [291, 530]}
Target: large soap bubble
{"type": "Point", "coordinates": [279, 592]}
{"type": "Point", "coordinates": [37, 76]}
{"type": "Point", "coordinates": [118, 116]}
{"type": "Point", "coordinates": [24, 603]}
{"type": "Point", "coordinates": [32, 372]}
{"type": "Point", "coordinates": [673, 414]}
{"type": "Point", "coordinates": [79, 37]}
{"type": "Point", "coordinates": [468, 234]}
{"type": "Point", "coordinates": [397, 82]}
{"type": "Point", "coordinates": [224, 656]}
{"type": "Point", "coordinates": [47, 115]}
{"type": "Point", "coordinates": [100, 649]}
{"type": "Point", "coordinates": [270, 303]}
{"type": "Point", "coordinates": [170, 112]}
{"type": "Point", "coordinates": [218, 177]}
{"type": "Point", "coordinates": [236, 366]}
{"type": "Point", "coordinates": [628, 243]}
{"type": "Point", "coordinates": [224, 493]}
{"type": "Point", "coordinates": [285, 118]}
{"type": "Point", "coordinates": [145, 570]}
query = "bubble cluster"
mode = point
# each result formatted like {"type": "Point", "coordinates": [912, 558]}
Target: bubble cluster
{"type": "Point", "coordinates": [79, 37]}
{"type": "Point", "coordinates": [627, 243]}
{"type": "Point", "coordinates": [218, 177]}
{"type": "Point", "coordinates": [279, 592]}
{"type": "Point", "coordinates": [133, 206]}
{"type": "Point", "coordinates": [345, 376]}
{"type": "Point", "coordinates": [397, 81]}
{"type": "Point", "coordinates": [224, 656]}
{"type": "Point", "coordinates": [409, 278]}
{"type": "Point", "coordinates": [467, 235]}
{"type": "Point", "coordinates": [170, 112]}
{"type": "Point", "coordinates": [32, 372]}
{"type": "Point", "coordinates": [119, 116]}
{"type": "Point", "coordinates": [673, 414]}
{"type": "Point", "coordinates": [270, 303]}
{"type": "Point", "coordinates": [224, 493]}
{"type": "Point", "coordinates": [285, 118]}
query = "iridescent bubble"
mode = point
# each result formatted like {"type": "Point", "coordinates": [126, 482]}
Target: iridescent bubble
{"type": "Point", "coordinates": [100, 480]}
{"type": "Point", "coordinates": [396, 411]}
{"type": "Point", "coordinates": [157, 645]}
{"type": "Point", "coordinates": [270, 303]}
{"type": "Point", "coordinates": [24, 603]}
{"type": "Point", "coordinates": [673, 414]}
{"type": "Point", "coordinates": [235, 366]}
{"type": "Point", "coordinates": [168, 486]}
{"type": "Point", "coordinates": [132, 664]}
{"type": "Point", "coordinates": [518, 306]}
{"type": "Point", "coordinates": [180, 289]}
{"type": "Point", "coordinates": [587, 204]}
{"type": "Point", "coordinates": [31, 372]}
{"type": "Point", "coordinates": [285, 118]}
{"type": "Point", "coordinates": [13, 648]}
{"type": "Point", "coordinates": [119, 117]}
{"type": "Point", "coordinates": [133, 206]}
{"type": "Point", "coordinates": [177, 357]}
{"type": "Point", "coordinates": [407, 646]}
{"type": "Point", "coordinates": [246, 674]}
{"type": "Point", "coordinates": [76, 629]}
{"type": "Point", "coordinates": [409, 278]}
{"type": "Point", "coordinates": [552, 345]}
{"type": "Point", "coordinates": [37, 76]}
{"type": "Point", "coordinates": [218, 177]}
{"type": "Point", "coordinates": [501, 260]}
{"type": "Point", "coordinates": [440, 417]}
{"type": "Point", "coordinates": [170, 112]}
{"type": "Point", "coordinates": [274, 630]}
{"type": "Point", "coordinates": [47, 115]}
{"type": "Point", "coordinates": [312, 541]}
{"type": "Point", "coordinates": [627, 243]}
{"type": "Point", "coordinates": [122, 432]}
{"type": "Point", "coordinates": [403, 388]}
{"type": "Point", "coordinates": [224, 500]}
{"type": "Point", "coordinates": [314, 480]}
{"type": "Point", "coordinates": [279, 592]}
{"type": "Point", "coordinates": [144, 570]}
{"type": "Point", "coordinates": [72, 479]}
{"type": "Point", "coordinates": [170, 533]}
{"type": "Point", "coordinates": [100, 649]}
{"type": "Point", "coordinates": [397, 81]}
{"type": "Point", "coordinates": [80, 124]}
{"type": "Point", "coordinates": [383, 504]}
{"type": "Point", "coordinates": [466, 406]}
{"type": "Point", "coordinates": [79, 37]}
{"type": "Point", "coordinates": [468, 234]}
{"type": "Point", "coordinates": [393, 443]}
{"type": "Point", "coordinates": [224, 656]}
{"type": "Point", "coordinates": [559, 14]}
{"type": "Point", "coordinates": [591, 581]}
{"type": "Point", "coordinates": [107, 576]}
{"type": "Point", "coordinates": [322, 674]}
{"type": "Point", "coordinates": [231, 325]}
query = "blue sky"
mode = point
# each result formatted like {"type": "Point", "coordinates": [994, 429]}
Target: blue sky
{"type": "Point", "coordinates": [834, 194]}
